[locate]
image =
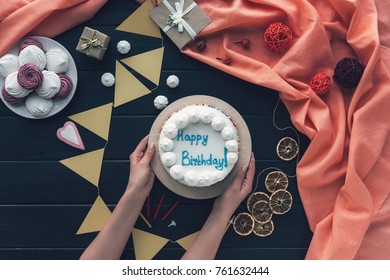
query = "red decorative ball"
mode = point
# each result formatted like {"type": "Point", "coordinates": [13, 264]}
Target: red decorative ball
{"type": "Point", "coordinates": [321, 83]}
{"type": "Point", "coordinates": [277, 37]}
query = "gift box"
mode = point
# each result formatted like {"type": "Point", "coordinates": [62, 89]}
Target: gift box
{"type": "Point", "coordinates": [181, 20]}
{"type": "Point", "coordinates": [93, 43]}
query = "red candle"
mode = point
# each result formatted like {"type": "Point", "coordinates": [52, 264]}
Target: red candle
{"type": "Point", "coordinates": [158, 207]}
{"type": "Point", "coordinates": [169, 211]}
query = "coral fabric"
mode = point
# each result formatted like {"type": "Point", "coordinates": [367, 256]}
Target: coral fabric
{"type": "Point", "coordinates": [19, 18]}
{"type": "Point", "coordinates": [343, 176]}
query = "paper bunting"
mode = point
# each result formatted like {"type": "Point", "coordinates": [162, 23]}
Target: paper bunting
{"type": "Point", "coordinates": [96, 217]}
{"type": "Point", "coordinates": [148, 64]}
{"type": "Point", "coordinates": [147, 245]}
{"type": "Point", "coordinates": [87, 165]}
{"type": "Point", "coordinates": [187, 241]}
{"type": "Point", "coordinates": [127, 87]}
{"type": "Point", "coordinates": [139, 22]}
{"type": "Point", "coordinates": [96, 120]}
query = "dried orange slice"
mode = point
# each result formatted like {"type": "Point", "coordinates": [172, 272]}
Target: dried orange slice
{"type": "Point", "coordinates": [263, 230]}
{"type": "Point", "coordinates": [280, 202]}
{"type": "Point", "coordinates": [261, 211]}
{"type": "Point", "coordinates": [287, 148]}
{"type": "Point", "coordinates": [255, 197]}
{"type": "Point", "coordinates": [276, 180]}
{"type": "Point", "coordinates": [243, 224]}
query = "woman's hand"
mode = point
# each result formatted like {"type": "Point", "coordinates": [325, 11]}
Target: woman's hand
{"type": "Point", "coordinates": [141, 176]}
{"type": "Point", "coordinates": [237, 191]}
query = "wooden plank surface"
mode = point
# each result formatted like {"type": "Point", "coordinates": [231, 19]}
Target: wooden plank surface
{"type": "Point", "coordinates": [42, 203]}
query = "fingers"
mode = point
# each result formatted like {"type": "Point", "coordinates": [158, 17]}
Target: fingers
{"type": "Point", "coordinates": [138, 153]}
{"type": "Point", "coordinates": [244, 177]}
{"type": "Point", "coordinates": [148, 155]}
{"type": "Point", "coordinates": [251, 170]}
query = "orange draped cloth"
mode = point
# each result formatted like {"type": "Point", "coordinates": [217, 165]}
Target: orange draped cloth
{"type": "Point", "coordinates": [19, 18]}
{"type": "Point", "coordinates": [343, 177]}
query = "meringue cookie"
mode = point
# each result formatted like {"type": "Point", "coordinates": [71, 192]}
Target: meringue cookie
{"type": "Point", "coordinates": [34, 55]}
{"type": "Point", "coordinates": [57, 61]}
{"type": "Point", "coordinates": [177, 172]}
{"type": "Point", "coordinates": [218, 123]}
{"type": "Point", "coordinates": [160, 102]}
{"type": "Point", "coordinates": [38, 106]}
{"type": "Point", "coordinates": [10, 99]}
{"type": "Point", "coordinates": [50, 86]}
{"type": "Point", "coordinates": [173, 81]}
{"type": "Point", "coordinates": [8, 63]}
{"type": "Point", "coordinates": [191, 178]}
{"type": "Point", "coordinates": [181, 121]}
{"type": "Point", "coordinates": [170, 130]}
{"type": "Point", "coordinates": [13, 87]}
{"type": "Point", "coordinates": [123, 47]}
{"type": "Point", "coordinates": [231, 145]}
{"type": "Point", "coordinates": [108, 80]}
{"type": "Point", "coordinates": [232, 157]}
{"type": "Point", "coordinates": [66, 86]}
{"type": "Point", "coordinates": [168, 159]}
{"type": "Point", "coordinates": [30, 76]}
{"type": "Point", "coordinates": [206, 116]}
{"type": "Point", "coordinates": [166, 144]}
{"type": "Point", "coordinates": [227, 133]}
{"type": "Point", "coordinates": [28, 42]}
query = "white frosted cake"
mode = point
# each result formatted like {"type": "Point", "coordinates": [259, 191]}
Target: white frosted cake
{"type": "Point", "coordinates": [198, 145]}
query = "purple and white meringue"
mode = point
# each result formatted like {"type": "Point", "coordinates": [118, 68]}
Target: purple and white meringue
{"type": "Point", "coordinates": [66, 86]}
{"type": "Point", "coordinates": [28, 42]}
{"type": "Point", "coordinates": [38, 106]}
{"type": "Point", "coordinates": [10, 99]}
{"type": "Point", "coordinates": [8, 63]}
{"type": "Point", "coordinates": [50, 86]}
{"type": "Point", "coordinates": [34, 55]}
{"type": "Point", "coordinates": [57, 61]}
{"type": "Point", "coordinates": [30, 76]}
{"type": "Point", "coordinates": [13, 87]}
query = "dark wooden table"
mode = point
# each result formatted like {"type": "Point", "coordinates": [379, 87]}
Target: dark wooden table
{"type": "Point", "coordinates": [42, 203]}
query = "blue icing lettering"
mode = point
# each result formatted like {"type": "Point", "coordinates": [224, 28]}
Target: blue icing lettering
{"type": "Point", "coordinates": [194, 139]}
{"type": "Point", "coordinates": [202, 160]}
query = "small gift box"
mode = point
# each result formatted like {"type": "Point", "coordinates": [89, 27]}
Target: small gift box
{"type": "Point", "coordinates": [181, 20]}
{"type": "Point", "coordinates": [93, 43]}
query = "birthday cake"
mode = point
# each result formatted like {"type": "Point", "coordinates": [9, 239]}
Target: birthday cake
{"type": "Point", "coordinates": [198, 145]}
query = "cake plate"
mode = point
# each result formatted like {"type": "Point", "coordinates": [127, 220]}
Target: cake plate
{"type": "Point", "coordinates": [245, 150]}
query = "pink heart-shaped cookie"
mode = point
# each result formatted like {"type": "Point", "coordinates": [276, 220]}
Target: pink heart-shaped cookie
{"type": "Point", "coordinates": [70, 135]}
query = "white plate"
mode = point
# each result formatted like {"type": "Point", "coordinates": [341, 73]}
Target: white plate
{"type": "Point", "coordinates": [59, 103]}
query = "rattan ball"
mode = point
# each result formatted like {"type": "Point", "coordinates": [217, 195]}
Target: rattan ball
{"type": "Point", "coordinates": [277, 37]}
{"type": "Point", "coordinates": [348, 72]}
{"type": "Point", "coordinates": [321, 83]}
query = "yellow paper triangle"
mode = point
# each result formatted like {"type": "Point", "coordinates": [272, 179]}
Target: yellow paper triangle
{"type": "Point", "coordinates": [127, 86]}
{"type": "Point", "coordinates": [147, 245]}
{"type": "Point", "coordinates": [187, 241]}
{"type": "Point", "coordinates": [96, 217]}
{"type": "Point", "coordinates": [87, 165]}
{"type": "Point", "coordinates": [139, 22]}
{"type": "Point", "coordinates": [148, 64]}
{"type": "Point", "coordinates": [96, 120]}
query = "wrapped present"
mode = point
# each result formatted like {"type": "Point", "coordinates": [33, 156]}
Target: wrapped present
{"type": "Point", "coordinates": [181, 20]}
{"type": "Point", "coordinates": [93, 43]}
